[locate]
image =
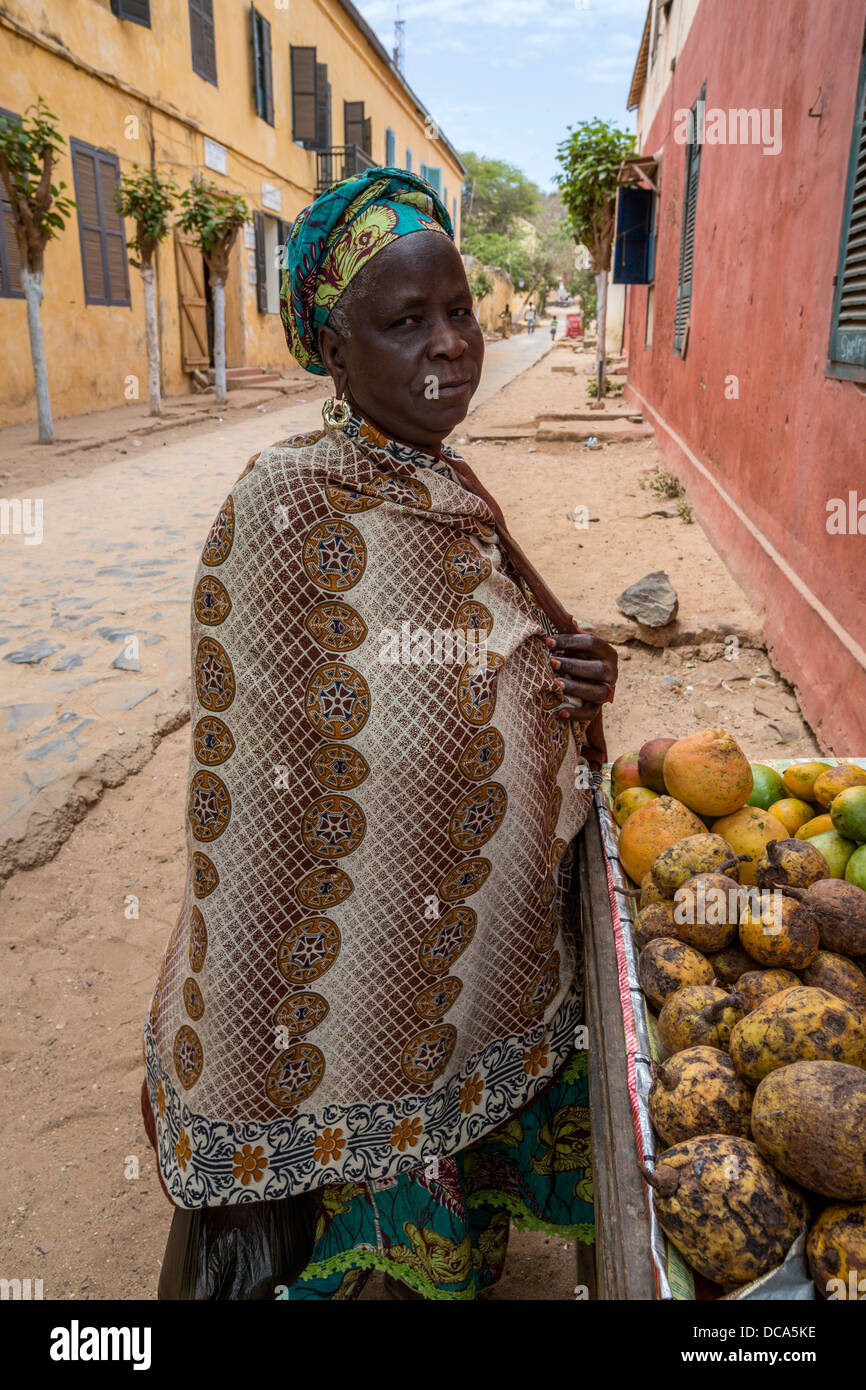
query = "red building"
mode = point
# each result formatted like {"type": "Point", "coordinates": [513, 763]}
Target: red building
{"type": "Point", "coordinates": [742, 237]}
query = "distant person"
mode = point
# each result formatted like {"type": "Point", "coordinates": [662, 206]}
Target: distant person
{"type": "Point", "coordinates": [530, 319]}
{"type": "Point", "coordinates": [506, 321]}
{"type": "Point", "coordinates": [554, 324]}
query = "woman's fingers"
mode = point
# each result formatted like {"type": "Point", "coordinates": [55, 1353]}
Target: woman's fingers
{"type": "Point", "coordinates": [590, 692]}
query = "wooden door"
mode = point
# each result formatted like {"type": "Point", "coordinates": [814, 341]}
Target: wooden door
{"type": "Point", "coordinates": [192, 302]}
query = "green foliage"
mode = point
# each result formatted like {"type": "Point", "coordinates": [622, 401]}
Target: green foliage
{"type": "Point", "coordinates": [29, 148]}
{"type": "Point", "coordinates": [610, 388]}
{"type": "Point", "coordinates": [148, 199]}
{"type": "Point", "coordinates": [480, 283]}
{"type": "Point", "coordinates": [212, 215]}
{"type": "Point", "coordinates": [590, 158]}
{"type": "Point", "coordinates": [495, 194]}
{"type": "Point", "coordinates": [498, 249]}
{"type": "Point", "coordinates": [665, 484]}
{"type": "Point", "coordinates": [582, 282]}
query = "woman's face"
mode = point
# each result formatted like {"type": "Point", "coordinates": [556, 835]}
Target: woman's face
{"type": "Point", "coordinates": [413, 359]}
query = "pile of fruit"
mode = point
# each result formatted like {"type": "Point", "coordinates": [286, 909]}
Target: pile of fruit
{"type": "Point", "coordinates": [751, 933]}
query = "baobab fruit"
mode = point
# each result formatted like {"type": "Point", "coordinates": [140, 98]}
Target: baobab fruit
{"type": "Point", "coordinates": [838, 909]}
{"type": "Point", "coordinates": [709, 773]}
{"type": "Point", "coordinates": [665, 965]}
{"type": "Point", "coordinates": [653, 922]}
{"type": "Point", "coordinates": [757, 985]}
{"type": "Point", "coordinates": [794, 863]}
{"type": "Point", "coordinates": [748, 831]}
{"type": "Point", "coordinates": [836, 1251]}
{"type": "Point", "coordinates": [782, 935]}
{"type": "Point", "coordinates": [649, 892]}
{"type": "Point", "coordinates": [696, 854]}
{"type": "Point", "coordinates": [698, 1016]}
{"type": "Point", "coordinates": [698, 1092]}
{"type": "Point", "coordinates": [840, 976]}
{"type": "Point", "coordinates": [809, 1119]}
{"type": "Point", "coordinates": [650, 761]}
{"type": "Point", "coordinates": [652, 829]}
{"type": "Point", "coordinates": [725, 1208]}
{"type": "Point", "coordinates": [706, 910]}
{"type": "Point", "coordinates": [730, 964]}
{"type": "Point", "coordinates": [801, 1024]}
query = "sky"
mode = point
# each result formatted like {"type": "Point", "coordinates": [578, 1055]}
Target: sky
{"type": "Point", "coordinates": [505, 78]}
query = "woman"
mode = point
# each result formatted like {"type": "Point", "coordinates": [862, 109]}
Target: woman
{"type": "Point", "coordinates": [360, 1047]}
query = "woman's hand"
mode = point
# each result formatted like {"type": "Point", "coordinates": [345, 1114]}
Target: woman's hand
{"type": "Point", "coordinates": [586, 674]}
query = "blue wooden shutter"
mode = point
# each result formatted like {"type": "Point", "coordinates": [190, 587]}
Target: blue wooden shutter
{"type": "Point", "coordinates": [633, 241]}
{"type": "Point", "coordinates": [390, 148]}
{"type": "Point", "coordinates": [10, 259]}
{"type": "Point", "coordinates": [847, 356]}
{"type": "Point", "coordinates": [263, 79]}
{"type": "Point", "coordinates": [408, 160]}
{"type": "Point", "coordinates": [682, 319]}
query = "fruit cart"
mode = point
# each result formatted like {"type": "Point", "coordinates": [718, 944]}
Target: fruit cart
{"type": "Point", "coordinates": [632, 1259]}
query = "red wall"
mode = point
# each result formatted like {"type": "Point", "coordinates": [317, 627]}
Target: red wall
{"type": "Point", "coordinates": [766, 252]}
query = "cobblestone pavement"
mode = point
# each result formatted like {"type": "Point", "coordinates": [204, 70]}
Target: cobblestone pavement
{"type": "Point", "coordinates": [95, 615]}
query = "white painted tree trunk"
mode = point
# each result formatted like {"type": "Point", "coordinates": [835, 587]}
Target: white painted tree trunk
{"type": "Point", "coordinates": [600, 352]}
{"type": "Point", "coordinates": [219, 339]}
{"type": "Point", "coordinates": [148, 275]}
{"type": "Point", "coordinates": [33, 295]}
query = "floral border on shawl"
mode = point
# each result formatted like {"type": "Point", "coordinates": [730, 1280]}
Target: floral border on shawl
{"type": "Point", "coordinates": [215, 1163]}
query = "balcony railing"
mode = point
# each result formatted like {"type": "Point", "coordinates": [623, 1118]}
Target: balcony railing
{"type": "Point", "coordinates": [340, 162]}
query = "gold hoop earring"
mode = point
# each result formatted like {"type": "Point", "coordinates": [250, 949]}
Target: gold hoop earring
{"type": "Point", "coordinates": [336, 413]}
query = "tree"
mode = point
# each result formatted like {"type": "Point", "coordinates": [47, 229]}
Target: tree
{"type": "Point", "coordinates": [498, 249]}
{"type": "Point", "coordinates": [29, 149]}
{"type": "Point", "coordinates": [149, 199]}
{"type": "Point", "coordinates": [495, 194]}
{"type": "Point", "coordinates": [213, 217]}
{"type": "Point", "coordinates": [590, 158]}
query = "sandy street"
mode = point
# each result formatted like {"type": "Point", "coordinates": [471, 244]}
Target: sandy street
{"type": "Point", "coordinates": [84, 931]}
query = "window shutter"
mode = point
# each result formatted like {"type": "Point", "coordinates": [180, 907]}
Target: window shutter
{"type": "Point", "coordinates": [261, 263]}
{"type": "Point", "coordinates": [433, 177]}
{"type": "Point", "coordinates": [390, 148]}
{"type": "Point", "coordinates": [262, 66]}
{"type": "Point", "coordinates": [632, 244]}
{"type": "Point", "coordinates": [304, 94]}
{"type": "Point", "coordinates": [353, 123]}
{"type": "Point", "coordinates": [367, 142]}
{"type": "Point", "coordinates": [408, 160]}
{"type": "Point", "coordinates": [90, 232]}
{"type": "Point", "coordinates": [258, 86]}
{"type": "Point", "coordinates": [848, 334]}
{"type": "Point", "coordinates": [100, 226]}
{"type": "Point", "coordinates": [113, 232]}
{"type": "Point", "coordinates": [202, 40]}
{"type": "Point", "coordinates": [682, 319]}
{"type": "Point", "coordinates": [136, 10]}
{"type": "Point", "coordinates": [10, 259]}
{"type": "Point", "coordinates": [323, 108]}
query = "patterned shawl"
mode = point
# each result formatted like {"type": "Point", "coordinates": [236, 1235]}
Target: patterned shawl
{"type": "Point", "coordinates": [371, 967]}
{"type": "Point", "coordinates": [336, 236]}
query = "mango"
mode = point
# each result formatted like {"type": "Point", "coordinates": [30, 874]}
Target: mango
{"type": "Point", "coordinates": [792, 812]}
{"type": "Point", "coordinates": [624, 773]}
{"type": "Point", "coordinates": [848, 813]}
{"type": "Point", "coordinates": [757, 985]}
{"type": "Point", "coordinates": [855, 869]}
{"type": "Point", "coordinates": [836, 849]}
{"type": "Point", "coordinates": [630, 801]}
{"type": "Point", "coordinates": [790, 862]}
{"type": "Point", "coordinates": [797, 1025]}
{"type": "Point", "coordinates": [698, 1092]}
{"type": "Point", "coordinates": [799, 779]}
{"type": "Point", "coordinates": [709, 773]}
{"type": "Point", "coordinates": [808, 1120]}
{"type": "Point", "coordinates": [652, 829]}
{"type": "Point", "coordinates": [650, 761]}
{"type": "Point", "coordinates": [840, 976]}
{"type": "Point", "coordinates": [816, 826]}
{"type": "Point", "coordinates": [748, 831]}
{"type": "Point", "coordinates": [782, 935]}
{"type": "Point", "coordinates": [835, 780]}
{"type": "Point", "coordinates": [836, 1251]}
{"type": "Point", "coordinates": [654, 921]}
{"type": "Point", "coordinates": [725, 1208]}
{"type": "Point", "coordinates": [766, 786]}
{"type": "Point", "coordinates": [665, 965]}
{"type": "Point", "coordinates": [696, 1016]}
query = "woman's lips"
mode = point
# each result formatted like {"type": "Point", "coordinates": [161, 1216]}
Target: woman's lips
{"type": "Point", "coordinates": [454, 387]}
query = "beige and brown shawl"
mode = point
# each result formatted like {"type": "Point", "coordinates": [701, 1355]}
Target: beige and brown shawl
{"type": "Point", "coordinates": [371, 967]}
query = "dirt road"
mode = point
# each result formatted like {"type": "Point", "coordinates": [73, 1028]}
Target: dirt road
{"type": "Point", "coordinates": [85, 931]}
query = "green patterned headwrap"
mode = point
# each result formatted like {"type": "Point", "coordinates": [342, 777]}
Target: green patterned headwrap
{"type": "Point", "coordinates": [336, 236]}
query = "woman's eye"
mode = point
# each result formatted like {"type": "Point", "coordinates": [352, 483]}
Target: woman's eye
{"type": "Point", "coordinates": [407, 318]}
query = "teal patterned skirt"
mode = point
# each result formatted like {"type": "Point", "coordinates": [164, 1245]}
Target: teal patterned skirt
{"type": "Point", "coordinates": [442, 1228]}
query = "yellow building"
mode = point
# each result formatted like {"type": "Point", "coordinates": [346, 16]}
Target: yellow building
{"type": "Point", "coordinates": [273, 101]}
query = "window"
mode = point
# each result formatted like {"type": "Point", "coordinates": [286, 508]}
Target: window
{"type": "Point", "coordinates": [445, 196]}
{"type": "Point", "coordinates": [408, 160]}
{"type": "Point", "coordinates": [847, 355]}
{"type": "Point", "coordinates": [357, 127]}
{"type": "Point", "coordinates": [263, 73]}
{"type": "Point", "coordinates": [433, 177]}
{"type": "Point", "coordinates": [323, 108]}
{"type": "Point", "coordinates": [201, 37]}
{"type": "Point", "coordinates": [683, 317]}
{"type": "Point", "coordinates": [10, 260]}
{"type": "Point", "coordinates": [271, 234]}
{"type": "Point", "coordinates": [136, 10]}
{"type": "Point", "coordinates": [100, 227]}
{"type": "Point", "coordinates": [454, 213]}
{"type": "Point", "coordinates": [390, 148]}
{"type": "Point", "coordinates": [650, 316]}
{"type": "Point", "coordinates": [634, 247]}
{"type": "Point", "coordinates": [305, 95]}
